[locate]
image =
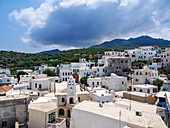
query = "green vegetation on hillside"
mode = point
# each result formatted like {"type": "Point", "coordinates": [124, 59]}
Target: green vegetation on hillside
{"type": "Point", "coordinates": [16, 60]}
{"type": "Point", "coordinates": [49, 72]}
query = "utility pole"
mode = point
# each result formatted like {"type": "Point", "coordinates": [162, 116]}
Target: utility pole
{"type": "Point", "coordinates": [120, 119]}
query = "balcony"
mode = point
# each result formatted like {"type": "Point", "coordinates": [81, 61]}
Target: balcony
{"type": "Point", "coordinates": [58, 123]}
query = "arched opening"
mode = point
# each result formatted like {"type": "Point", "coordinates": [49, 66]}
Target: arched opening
{"type": "Point", "coordinates": [63, 99]}
{"type": "Point", "coordinates": [148, 91]}
{"type": "Point", "coordinates": [61, 111]}
{"type": "Point", "coordinates": [71, 100]}
{"type": "Point", "coordinates": [68, 113]}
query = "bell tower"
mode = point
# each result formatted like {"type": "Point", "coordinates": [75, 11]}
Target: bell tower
{"type": "Point", "coordinates": [71, 91]}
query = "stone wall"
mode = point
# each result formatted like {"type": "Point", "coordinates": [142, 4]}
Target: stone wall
{"type": "Point", "coordinates": [15, 110]}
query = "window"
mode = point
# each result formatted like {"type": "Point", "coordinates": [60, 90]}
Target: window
{"type": "Point", "coordinates": [140, 90]}
{"type": "Point", "coordinates": [56, 81]}
{"type": "Point", "coordinates": [35, 85]}
{"type": "Point", "coordinates": [146, 73]}
{"type": "Point", "coordinates": [7, 80]}
{"type": "Point", "coordinates": [63, 100]}
{"type": "Point", "coordinates": [133, 55]}
{"type": "Point", "coordinates": [122, 82]}
{"type": "Point", "coordinates": [140, 73]}
{"type": "Point", "coordinates": [51, 117]}
{"type": "Point", "coordinates": [4, 124]}
{"type": "Point", "coordinates": [63, 73]}
{"type": "Point", "coordinates": [155, 90]}
{"type": "Point", "coordinates": [126, 61]}
{"type": "Point", "coordinates": [136, 79]}
{"type": "Point", "coordinates": [113, 61]}
{"type": "Point", "coordinates": [97, 83]}
{"type": "Point", "coordinates": [92, 83]}
{"type": "Point", "coordinates": [40, 86]}
{"type": "Point", "coordinates": [121, 61]}
{"type": "Point", "coordinates": [136, 73]}
{"type": "Point", "coordinates": [148, 91]}
{"type": "Point", "coordinates": [71, 90]}
{"type": "Point", "coordinates": [134, 89]}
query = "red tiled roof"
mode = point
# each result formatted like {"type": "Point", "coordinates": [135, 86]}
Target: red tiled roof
{"type": "Point", "coordinates": [5, 88]}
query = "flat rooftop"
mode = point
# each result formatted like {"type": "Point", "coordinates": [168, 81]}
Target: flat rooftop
{"type": "Point", "coordinates": [161, 94]}
{"type": "Point", "coordinates": [3, 98]}
{"type": "Point", "coordinates": [145, 86]}
{"type": "Point", "coordinates": [136, 105]}
{"type": "Point", "coordinates": [102, 92]}
{"type": "Point", "coordinates": [39, 79]}
{"type": "Point", "coordinates": [112, 111]}
{"type": "Point", "coordinates": [141, 94]}
{"type": "Point", "coordinates": [44, 106]}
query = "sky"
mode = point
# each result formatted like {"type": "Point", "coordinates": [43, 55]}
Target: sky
{"type": "Point", "coordinates": [38, 25]}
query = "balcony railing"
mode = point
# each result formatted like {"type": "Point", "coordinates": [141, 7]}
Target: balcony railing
{"type": "Point", "coordinates": [58, 123]}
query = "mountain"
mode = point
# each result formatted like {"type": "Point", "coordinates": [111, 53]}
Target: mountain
{"type": "Point", "coordinates": [133, 42]}
{"type": "Point", "coordinates": [50, 51]}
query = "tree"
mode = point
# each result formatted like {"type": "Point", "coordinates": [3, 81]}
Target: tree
{"type": "Point", "coordinates": [83, 80]}
{"type": "Point", "coordinates": [49, 72]}
{"type": "Point", "coordinates": [158, 83]}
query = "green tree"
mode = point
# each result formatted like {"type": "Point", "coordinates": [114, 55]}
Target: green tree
{"type": "Point", "coordinates": [83, 80]}
{"type": "Point", "coordinates": [158, 83]}
{"type": "Point", "coordinates": [49, 72]}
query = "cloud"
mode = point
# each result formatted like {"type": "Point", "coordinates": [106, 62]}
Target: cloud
{"type": "Point", "coordinates": [81, 23]}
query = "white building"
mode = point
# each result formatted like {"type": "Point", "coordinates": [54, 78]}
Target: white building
{"type": "Point", "coordinates": [112, 82]}
{"type": "Point", "coordinates": [142, 53]}
{"type": "Point", "coordinates": [5, 71]}
{"type": "Point", "coordinates": [143, 76]}
{"type": "Point", "coordinates": [102, 95]}
{"type": "Point", "coordinates": [85, 72]}
{"type": "Point", "coordinates": [65, 74]}
{"type": "Point", "coordinates": [26, 78]}
{"type": "Point", "coordinates": [8, 80]}
{"type": "Point", "coordinates": [42, 85]}
{"type": "Point", "coordinates": [146, 88]}
{"type": "Point", "coordinates": [95, 82]}
{"type": "Point", "coordinates": [89, 114]}
{"type": "Point", "coordinates": [98, 71]}
{"type": "Point", "coordinates": [115, 82]}
{"type": "Point", "coordinates": [65, 67]}
{"type": "Point", "coordinates": [113, 53]}
{"type": "Point", "coordinates": [55, 79]}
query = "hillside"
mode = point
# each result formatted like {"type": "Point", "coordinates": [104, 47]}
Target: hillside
{"type": "Point", "coordinates": [133, 42]}
{"type": "Point", "coordinates": [50, 51]}
{"type": "Point", "coordinates": [17, 60]}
